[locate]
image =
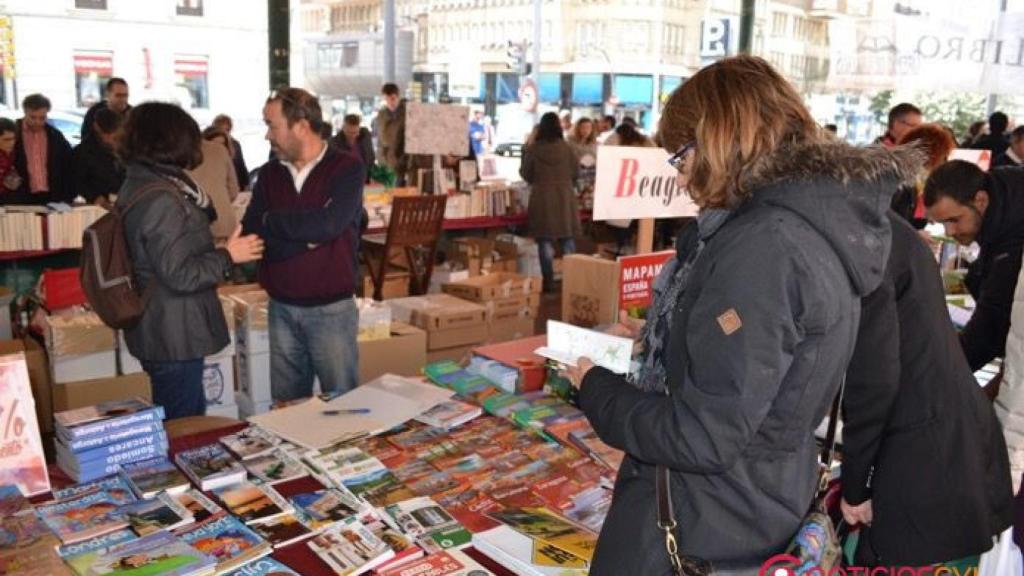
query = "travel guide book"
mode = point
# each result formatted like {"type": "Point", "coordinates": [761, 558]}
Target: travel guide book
{"type": "Point", "coordinates": [160, 513]}
{"type": "Point", "coordinates": [115, 485]}
{"type": "Point", "coordinates": [379, 487]}
{"type": "Point", "coordinates": [19, 525]}
{"type": "Point", "coordinates": [150, 477]}
{"type": "Point", "coordinates": [105, 418]}
{"type": "Point", "coordinates": [82, 517]}
{"type": "Point", "coordinates": [160, 553]}
{"type": "Point", "coordinates": [276, 466]}
{"type": "Point", "coordinates": [197, 504]}
{"type": "Point", "coordinates": [428, 523]}
{"type": "Point", "coordinates": [349, 548]}
{"type": "Point", "coordinates": [322, 508]}
{"type": "Point", "coordinates": [127, 433]}
{"type": "Point", "coordinates": [210, 467]}
{"type": "Point", "coordinates": [445, 563]}
{"type": "Point", "coordinates": [450, 414]}
{"type": "Point", "coordinates": [22, 462]}
{"type": "Point", "coordinates": [265, 566]}
{"type": "Point", "coordinates": [541, 524]}
{"type": "Point", "coordinates": [252, 503]}
{"type": "Point", "coordinates": [224, 538]}
{"type": "Point", "coordinates": [282, 531]}
{"type": "Point", "coordinates": [249, 443]}
{"type": "Point", "coordinates": [80, 555]}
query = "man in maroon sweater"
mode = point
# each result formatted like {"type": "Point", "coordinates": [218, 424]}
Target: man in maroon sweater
{"type": "Point", "coordinates": [307, 205]}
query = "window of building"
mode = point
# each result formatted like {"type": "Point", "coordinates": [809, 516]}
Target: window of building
{"type": "Point", "coordinates": [191, 84]}
{"type": "Point", "coordinates": [91, 4]}
{"type": "Point", "coordinates": [779, 24]}
{"type": "Point", "coordinates": [190, 7]}
{"type": "Point", "coordinates": [587, 88]}
{"type": "Point", "coordinates": [92, 70]}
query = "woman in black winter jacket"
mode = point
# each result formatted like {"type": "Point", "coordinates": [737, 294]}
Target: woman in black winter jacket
{"type": "Point", "coordinates": [752, 327]}
{"type": "Point", "coordinates": [177, 267]}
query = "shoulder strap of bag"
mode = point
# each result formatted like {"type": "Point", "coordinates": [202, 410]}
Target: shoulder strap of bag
{"type": "Point", "coordinates": [139, 195]}
{"type": "Point", "coordinates": [828, 450]}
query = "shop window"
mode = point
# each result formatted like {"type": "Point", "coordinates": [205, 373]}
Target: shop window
{"type": "Point", "coordinates": [92, 70]}
{"type": "Point", "coordinates": [587, 89]}
{"type": "Point", "coordinates": [191, 84]}
{"type": "Point", "coordinates": [190, 7]}
{"type": "Point", "coordinates": [91, 4]}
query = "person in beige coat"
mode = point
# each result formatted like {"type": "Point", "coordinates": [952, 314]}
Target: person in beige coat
{"type": "Point", "coordinates": [216, 176]}
{"type": "Point", "coordinates": [550, 167]}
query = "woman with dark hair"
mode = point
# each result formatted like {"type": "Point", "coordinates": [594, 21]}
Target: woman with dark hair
{"type": "Point", "coordinates": [550, 167]}
{"type": "Point", "coordinates": [10, 180]}
{"type": "Point", "coordinates": [177, 267]}
{"type": "Point", "coordinates": [751, 329]}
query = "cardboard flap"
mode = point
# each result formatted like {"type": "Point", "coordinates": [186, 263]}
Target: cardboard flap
{"type": "Point", "coordinates": [78, 334]}
{"type": "Point", "coordinates": [437, 312]}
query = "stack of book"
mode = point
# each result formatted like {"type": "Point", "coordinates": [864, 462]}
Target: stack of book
{"type": "Point", "coordinates": [96, 441]}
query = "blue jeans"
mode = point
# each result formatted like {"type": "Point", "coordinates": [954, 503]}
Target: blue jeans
{"type": "Point", "coordinates": [178, 387]}
{"type": "Point", "coordinates": [308, 341]}
{"type": "Point", "coordinates": [546, 252]}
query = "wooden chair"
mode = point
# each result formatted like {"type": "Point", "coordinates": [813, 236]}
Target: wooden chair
{"type": "Point", "coordinates": [415, 227]}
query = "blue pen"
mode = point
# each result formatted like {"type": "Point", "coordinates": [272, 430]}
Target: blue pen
{"type": "Point", "coordinates": [338, 412]}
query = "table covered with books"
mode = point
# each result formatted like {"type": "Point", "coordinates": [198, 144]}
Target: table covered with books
{"type": "Point", "coordinates": [396, 477]}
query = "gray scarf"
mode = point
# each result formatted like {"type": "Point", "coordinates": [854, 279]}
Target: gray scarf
{"type": "Point", "coordinates": [669, 286]}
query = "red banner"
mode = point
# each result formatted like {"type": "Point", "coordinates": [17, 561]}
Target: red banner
{"type": "Point", "coordinates": [101, 63]}
{"type": "Point", "coordinates": [636, 280]}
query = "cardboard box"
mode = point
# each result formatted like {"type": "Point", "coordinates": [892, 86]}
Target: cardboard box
{"type": "Point", "coordinates": [77, 335]}
{"type": "Point", "coordinates": [254, 375]}
{"type": "Point", "coordinates": [251, 321]}
{"type": "Point", "coordinates": [129, 364]}
{"type": "Point", "coordinates": [513, 307]}
{"type": "Point", "coordinates": [404, 353]}
{"type": "Point", "coordinates": [590, 291]}
{"type": "Point", "coordinates": [38, 375]}
{"type": "Point", "coordinates": [83, 366]}
{"type": "Point", "coordinates": [88, 392]}
{"type": "Point", "coordinates": [445, 275]}
{"type": "Point", "coordinates": [452, 337]}
{"type": "Point", "coordinates": [219, 379]}
{"type": "Point", "coordinates": [510, 329]}
{"type": "Point", "coordinates": [437, 312]}
{"type": "Point", "coordinates": [227, 411]}
{"type": "Point", "coordinates": [248, 407]}
{"type": "Point", "coordinates": [396, 285]}
{"type": "Point", "coordinates": [493, 286]}
{"type": "Point", "coordinates": [456, 354]}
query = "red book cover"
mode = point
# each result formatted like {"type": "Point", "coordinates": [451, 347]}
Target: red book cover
{"type": "Point", "coordinates": [470, 507]}
{"type": "Point", "coordinates": [519, 354]}
{"type": "Point", "coordinates": [558, 491]}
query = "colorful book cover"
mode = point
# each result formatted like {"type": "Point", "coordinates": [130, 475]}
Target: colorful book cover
{"type": "Point", "coordinates": [275, 467]}
{"type": "Point", "coordinates": [522, 476]}
{"type": "Point", "coordinates": [450, 414]}
{"type": "Point", "coordinates": [559, 490]}
{"type": "Point", "coordinates": [429, 523]}
{"type": "Point", "coordinates": [105, 466]}
{"type": "Point", "coordinates": [378, 487]}
{"type": "Point", "coordinates": [19, 525]}
{"type": "Point", "coordinates": [134, 431]}
{"type": "Point", "coordinates": [544, 525]}
{"type": "Point", "coordinates": [588, 443]}
{"type": "Point", "coordinates": [252, 503]}
{"type": "Point", "coordinates": [225, 539]}
{"type": "Point", "coordinates": [404, 548]}
{"type": "Point", "coordinates": [105, 452]}
{"type": "Point", "coordinates": [210, 467]}
{"type": "Point", "coordinates": [561, 430]}
{"type": "Point", "coordinates": [417, 438]}
{"type": "Point", "coordinates": [197, 504]}
{"type": "Point", "coordinates": [80, 556]}
{"type": "Point", "coordinates": [249, 443]}
{"type": "Point", "coordinates": [444, 373]}
{"type": "Point", "coordinates": [444, 563]}
{"type": "Point", "coordinates": [413, 470]}
{"type": "Point", "coordinates": [159, 553]}
{"type": "Point", "coordinates": [322, 508]}
{"type": "Point", "coordinates": [590, 508]}
{"type": "Point", "coordinates": [82, 517]}
{"type": "Point", "coordinates": [548, 555]}
{"type": "Point", "coordinates": [115, 485]}
{"type": "Point", "coordinates": [38, 559]}
{"type": "Point", "coordinates": [149, 477]}
{"type": "Point", "coordinates": [469, 506]}
{"type": "Point", "coordinates": [282, 531]}
{"type": "Point", "coordinates": [382, 449]}
{"type": "Point", "coordinates": [105, 418]}
{"type": "Point", "coordinates": [160, 513]}
{"type": "Point", "coordinates": [523, 554]}
{"type": "Point", "coordinates": [22, 461]}
{"type": "Point", "coordinates": [349, 548]}
{"type": "Point", "coordinates": [265, 566]}
{"type": "Point", "coordinates": [434, 484]}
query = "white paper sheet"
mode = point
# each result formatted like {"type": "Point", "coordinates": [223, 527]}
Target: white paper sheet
{"type": "Point", "coordinates": [566, 343]}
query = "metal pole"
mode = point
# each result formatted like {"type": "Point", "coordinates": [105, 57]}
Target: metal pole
{"type": "Point", "coordinates": [538, 29]}
{"type": "Point", "coordinates": [992, 98]}
{"type": "Point", "coordinates": [389, 41]}
{"type": "Point", "coordinates": [746, 26]}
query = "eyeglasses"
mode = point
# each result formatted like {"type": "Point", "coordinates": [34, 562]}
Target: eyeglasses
{"type": "Point", "coordinates": [678, 160]}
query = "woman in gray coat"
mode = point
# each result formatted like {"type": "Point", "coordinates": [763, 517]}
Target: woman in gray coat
{"type": "Point", "coordinates": [550, 167]}
{"type": "Point", "coordinates": [177, 267]}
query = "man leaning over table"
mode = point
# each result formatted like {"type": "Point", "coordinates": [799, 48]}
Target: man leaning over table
{"type": "Point", "coordinates": [307, 204]}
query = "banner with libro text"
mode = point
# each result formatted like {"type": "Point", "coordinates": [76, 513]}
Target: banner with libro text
{"type": "Point", "coordinates": [638, 183]}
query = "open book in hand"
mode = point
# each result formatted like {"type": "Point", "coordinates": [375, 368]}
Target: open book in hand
{"type": "Point", "coordinates": [567, 343]}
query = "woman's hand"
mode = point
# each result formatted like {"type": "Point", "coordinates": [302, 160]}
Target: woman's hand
{"type": "Point", "coordinates": [576, 374]}
{"type": "Point", "coordinates": [859, 514]}
{"type": "Point", "coordinates": [244, 248]}
{"type": "Point", "coordinates": [628, 327]}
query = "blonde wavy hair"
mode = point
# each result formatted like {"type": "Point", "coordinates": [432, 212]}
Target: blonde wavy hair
{"type": "Point", "coordinates": [738, 112]}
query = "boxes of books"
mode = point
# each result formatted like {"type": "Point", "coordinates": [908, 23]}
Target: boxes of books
{"type": "Point", "coordinates": [374, 320]}
{"type": "Point", "coordinates": [219, 380]}
{"type": "Point", "coordinates": [396, 284]}
{"type": "Point", "coordinates": [254, 375]}
{"type": "Point", "coordinates": [403, 353]}
{"type": "Point", "coordinates": [72, 395]}
{"type": "Point", "coordinates": [81, 347]}
{"type": "Point", "coordinates": [494, 286]}
{"type": "Point", "coordinates": [512, 302]}
{"type": "Point", "coordinates": [590, 291]}
{"type": "Point", "coordinates": [450, 322]}
{"type": "Point", "coordinates": [230, 411]}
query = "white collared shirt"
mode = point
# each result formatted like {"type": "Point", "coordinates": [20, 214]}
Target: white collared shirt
{"type": "Point", "coordinates": [299, 176]}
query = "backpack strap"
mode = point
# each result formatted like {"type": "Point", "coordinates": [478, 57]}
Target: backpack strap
{"type": "Point", "coordinates": [139, 195]}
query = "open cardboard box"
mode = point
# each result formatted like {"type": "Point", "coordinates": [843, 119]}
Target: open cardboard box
{"type": "Point", "coordinates": [88, 392]}
{"type": "Point", "coordinates": [404, 353]}
{"type": "Point", "coordinates": [494, 286]}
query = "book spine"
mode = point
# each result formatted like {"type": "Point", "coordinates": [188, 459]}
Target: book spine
{"type": "Point", "coordinates": [111, 464]}
{"type": "Point", "coordinates": [94, 429]}
{"type": "Point", "coordinates": [82, 445]}
{"type": "Point", "coordinates": [106, 452]}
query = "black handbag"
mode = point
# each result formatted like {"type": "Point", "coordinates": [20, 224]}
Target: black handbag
{"type": "Point", "coordinates": [681, 565]}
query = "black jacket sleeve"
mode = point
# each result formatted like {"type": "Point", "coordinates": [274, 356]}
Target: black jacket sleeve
{"type": "Point", "coordinates": [165, 239]}
{"type": "Point", "coordinates": [721, 400]}
{"type": "Point", "coordinates": [984, 337]}
{"type": "Point", "coordinates": [319, 225]}
{"type": "Point", "coordinates": [872, 384]}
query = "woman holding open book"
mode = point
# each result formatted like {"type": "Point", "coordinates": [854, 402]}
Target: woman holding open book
{"type": "Point", "coordinates": [750, 333]}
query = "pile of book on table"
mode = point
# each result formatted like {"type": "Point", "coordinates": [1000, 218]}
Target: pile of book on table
{"type": "Point", "coordinates": [95, 441]}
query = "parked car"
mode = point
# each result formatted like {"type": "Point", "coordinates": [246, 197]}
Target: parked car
{"type": "Point", "coordinates": [514, 149]}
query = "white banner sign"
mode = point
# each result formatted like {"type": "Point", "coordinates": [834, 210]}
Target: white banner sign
{"type": "Point", "coordinates": [925, 53]}
{"type": "Point", "coordinates": [982, 158]}
{"type": "Point", "coordinates": [638, 183]}
{"type": "Point", "coordinates": [436, 129]}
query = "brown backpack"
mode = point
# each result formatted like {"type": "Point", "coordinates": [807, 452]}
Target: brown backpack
{"type": "Point", "coordinates": [108, 277]}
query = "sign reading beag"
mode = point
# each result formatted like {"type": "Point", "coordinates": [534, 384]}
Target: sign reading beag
{"type": "Point", "coordinates": [636, 280]}
{"type": "Point", "coordinates": [441, 129]}
{"type": "Point", "coordinates": [638, 183]}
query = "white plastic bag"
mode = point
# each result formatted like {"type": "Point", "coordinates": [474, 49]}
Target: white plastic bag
{"type": "Point", "coordinates": [1004, 559]}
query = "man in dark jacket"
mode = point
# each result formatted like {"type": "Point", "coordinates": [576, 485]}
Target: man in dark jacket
{"type": "Point", "coordinates": [355, 139]}
{"type": "Point", "coordinates": [226, 125]}
{"type": "Point", "coordinates": [995, 141]}
{"type": "Point", "coordinates": [914, 413]}
{"type": "Point", "coordinates": [987, 208]}
{"type": "Point", "coordinates": [1014, 155]}
{"type": "Point", "coordinates": [97, 172]}
{"type": "Point", "coordinates": [389, 128]}
{"type": "Point", "coordinates": [42, 156]}
{"type": "Point", "coordinates": [307, 205]}
{"type": "Point", "coordinates": [116, 100]}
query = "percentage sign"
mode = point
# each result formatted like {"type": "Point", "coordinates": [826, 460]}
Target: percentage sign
{"type": "Point", "coordinates": [13, 420]}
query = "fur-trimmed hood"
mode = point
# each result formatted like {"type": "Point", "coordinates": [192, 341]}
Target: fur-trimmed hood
{"type": "Point", "coordinates": [843, 192]}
